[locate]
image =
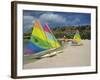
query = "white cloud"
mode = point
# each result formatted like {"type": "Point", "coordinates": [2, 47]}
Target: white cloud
{"type": "Point", "coordinates": [76, 20]}
{"type": "Point", "coordinates": [51, 17]}
{"type": "Point", "coordinates": [70, 20]}
{"type": "Point", "coordinates": [28, 19]}
{"type": "Point", "coordinates": [28, 22]}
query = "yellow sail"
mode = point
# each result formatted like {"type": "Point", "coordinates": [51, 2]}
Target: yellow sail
{"type": "Point", "coordinates": [37, 31]}
{"type": "Point", "coordinates": [77, 37]}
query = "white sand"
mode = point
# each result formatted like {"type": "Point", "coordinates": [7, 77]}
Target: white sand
{"type": "Point", "coordinates": [71, 57]}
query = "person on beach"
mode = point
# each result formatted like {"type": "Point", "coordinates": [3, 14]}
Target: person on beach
{"type": "Point", "coordinates": [64, 38]}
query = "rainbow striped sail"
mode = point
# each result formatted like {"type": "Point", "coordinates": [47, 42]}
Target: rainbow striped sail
{"type": "Point", "coordinates": [50, 37]}
{"type": "Point", "coordinates": [41, 39]}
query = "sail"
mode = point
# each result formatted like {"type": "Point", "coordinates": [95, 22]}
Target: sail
{"type": "Point", "coordinates": [38, 41]}
{"type": "Point", "coordinates": [41, 39]}
{"type": "Point", "coordinates": [77, 37]}
{"type": "Point", "coordinates": [50, 37]}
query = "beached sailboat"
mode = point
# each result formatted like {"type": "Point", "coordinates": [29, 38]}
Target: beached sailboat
{"type": "Point", "coordinates": [77, 39]}
{"type": "Point", "coordinates": [42, 40]}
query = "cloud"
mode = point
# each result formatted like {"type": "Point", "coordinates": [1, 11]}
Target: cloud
{"type": "Point", "coordinates": [28, 19]}
{"type": "Point", "coordinates": [51, 17]}
{"type": "Point", "coordinates": [59, 19]}
{"type": "Point", "coordinates": [72, 20]}
{"type": "Point", "coordinates": [28, 22]}
{"type": "Point", "coordinates": [75, 20]}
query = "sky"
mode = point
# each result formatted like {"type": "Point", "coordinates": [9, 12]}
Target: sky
{"type": "Point", "coordinates": [54, 19]}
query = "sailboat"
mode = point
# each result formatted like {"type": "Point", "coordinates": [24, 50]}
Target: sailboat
{"type": "Point", "coordinates": [42, 41]}
{"type": "Point", "coordinates": [77, 39]}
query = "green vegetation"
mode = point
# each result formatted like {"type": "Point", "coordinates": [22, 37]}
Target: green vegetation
{"type": "Point", "coordinates": [68, 31]}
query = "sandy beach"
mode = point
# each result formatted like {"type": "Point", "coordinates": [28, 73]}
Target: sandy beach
{"type": "Point", "coordinates": [70, 57]}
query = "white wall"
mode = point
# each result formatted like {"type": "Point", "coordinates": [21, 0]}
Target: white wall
{"type": "Point", "coordinates": [5, 43]}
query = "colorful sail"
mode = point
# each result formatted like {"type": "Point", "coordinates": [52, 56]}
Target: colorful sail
{"type": "Point", "coordinates": [77, 37]}
{"type": "Point", "coordinates": [50, 37]}
{"type": "Point", "coordinates": [41, 40]}
{"type": "Point", "coordinates": [38, 41]}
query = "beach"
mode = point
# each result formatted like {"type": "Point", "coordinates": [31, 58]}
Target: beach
{"type": "Point", "coordinates": [72, 56]}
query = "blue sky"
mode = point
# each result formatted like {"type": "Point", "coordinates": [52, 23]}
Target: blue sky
{"type": "Point", "coordinates": [55, 19]}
